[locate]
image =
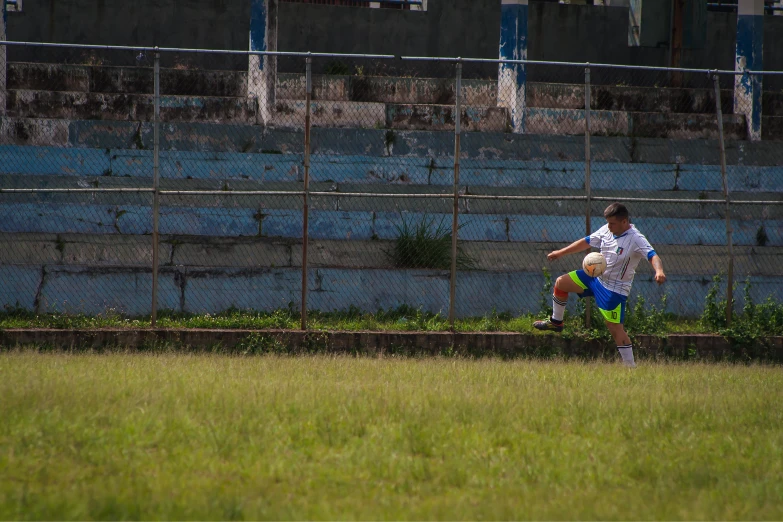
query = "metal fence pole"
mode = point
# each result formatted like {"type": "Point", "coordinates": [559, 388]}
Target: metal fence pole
{"type": "Point", "coordinates": [588, 230]}
{"type": "Point", "coordinates": [156, 190]}
{"type": "Point", "coordinates": [306, 210]}
{"type": "Point", "coordinates": [729, 240]}
{"type": "Point", "coordinates": [455, 213]}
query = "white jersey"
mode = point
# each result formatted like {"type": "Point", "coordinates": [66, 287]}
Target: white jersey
{"type": "Point", "coordinates": [622, 254]}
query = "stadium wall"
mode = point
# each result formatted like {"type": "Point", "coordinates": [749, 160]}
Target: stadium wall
{"type": "Point", "coordinates": [468, 28]}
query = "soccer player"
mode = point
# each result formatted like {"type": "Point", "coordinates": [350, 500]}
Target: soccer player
{"type": "Point", "coordinates": [623, 246]}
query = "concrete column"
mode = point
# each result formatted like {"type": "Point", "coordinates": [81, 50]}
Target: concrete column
{"type": "Point", "coordinates": [3, 68]}
{"type": "Point", "coordinates": [779, 10]}
{"type": "Point", "coordinates": [512, 78]}
{"type": "Point", "coordinates": [262, 70]}
{"type": "Point", "coordinates": [750, 39]}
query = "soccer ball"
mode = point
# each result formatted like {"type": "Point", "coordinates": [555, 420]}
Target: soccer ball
{"type": "Point", "coordinates": [594, 264]}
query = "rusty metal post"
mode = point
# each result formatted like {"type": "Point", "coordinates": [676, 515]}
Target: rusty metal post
{"type": "Point", "coordinates": [306, 210]}
{"type": "Point", "coordinates": [588, 231]}
{"type": "Point", "coordinates": [156, 191]}
{"type": "Point", "coordinates": [726, 196]}
{"type": "Point", "coordinates": [455, 213]}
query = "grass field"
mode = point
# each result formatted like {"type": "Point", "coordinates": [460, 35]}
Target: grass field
{"type": "Point", "coordinates": [166, 436]}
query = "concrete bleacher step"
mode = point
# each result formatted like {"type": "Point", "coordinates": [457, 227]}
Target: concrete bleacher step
{"type": "Point", "coordinates": [125, 80]}
{"type": "Point", "coordinates": [248, 217]}
{"type": "Point", "coordinates": [772, 128]}
{"type": "Point", "coordinates": [772, 103]}
{"type": "Point", "coordinates": [68, 249]}
{"type": "Point", "coordinates": [441, 91]}
{"type": "Point", "coordinates": [30, 162]}
{"type": "Point", "coordinates": [713, 206]}
{"type": "Point", "coordinates": [72, 105]}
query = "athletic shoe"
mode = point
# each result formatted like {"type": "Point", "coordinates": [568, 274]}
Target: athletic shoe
{"type": "Point", "coordinates": [548, 325]}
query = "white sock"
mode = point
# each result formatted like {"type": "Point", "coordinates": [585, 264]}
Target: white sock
{"type": "Point", "coordinates": [626, 352]}
{"type": "Point", "coordinates": [558, 309]}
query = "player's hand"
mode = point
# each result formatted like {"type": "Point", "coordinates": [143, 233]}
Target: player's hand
{"type": "Point", "coordinates": [554, 255]}
{"type": "Point", "coordinates": [660, 278]}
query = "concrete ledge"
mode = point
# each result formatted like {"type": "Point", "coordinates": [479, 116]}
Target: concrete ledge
{"type": "Point", "coordinates": [84, 218]}
{"type": "Point", "coordinates": [125, 107]}
{"type": "Point", "coordinates": [442, 117]}
{"type": "Point", "coordinates": [637, 124]}
{"type": "Point", "coordinates": [772, 103]}
{"type": "Point", "coordinates": [221, 139]}
{"type": "Point", "coordinates": [376, 344]}
{"type": "Point", "coordinates": [126, 80]}
{"type": "Point", "coordinates": [387, 89]}
{"type": "Point", "coordinates": [290, 114]}
{"type": "Point", "coordinates": [199, 252]}
{"type": "Point", "coordinates": [772, 127]}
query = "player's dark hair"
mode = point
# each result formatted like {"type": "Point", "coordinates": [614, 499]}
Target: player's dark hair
{"type": "Point", "coordinates": [617, 210]}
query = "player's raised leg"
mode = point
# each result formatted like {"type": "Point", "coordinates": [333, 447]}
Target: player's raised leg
{"type": "Point", "coordinates": [564, 285]}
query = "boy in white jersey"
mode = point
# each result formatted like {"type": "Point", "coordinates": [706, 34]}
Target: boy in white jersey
{"type": "Point", "coordinates": [623, 246]}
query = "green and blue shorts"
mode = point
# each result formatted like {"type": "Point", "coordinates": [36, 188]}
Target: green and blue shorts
{"type": "Point", "coordinates": [611, 304]}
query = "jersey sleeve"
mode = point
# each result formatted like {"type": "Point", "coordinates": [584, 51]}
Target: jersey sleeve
{"type": "Point", "coordinates": [644, 247]}
{"type": "Point", "coordinates": [595, 239]}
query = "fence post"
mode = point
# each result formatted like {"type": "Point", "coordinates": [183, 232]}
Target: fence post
{"type": "Point", "coordinates": [156, 189]}
{"type": "Point", "coordinates": [729, 240]}
{"type": "Point", "coordinates": [455, 213]}
{"type": "Point", "coordinates": [588, 128]}
{"type": "Point", "coordinates": [306, 210]}
{"type": "Point", "coordinates": [3, 59]}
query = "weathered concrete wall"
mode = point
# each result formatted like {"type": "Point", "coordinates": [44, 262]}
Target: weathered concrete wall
{"type": "Point", "coordinates": [93, 290]}
{"type": "Point", "coordinates": [185, 143]}
{"type": "Point", "coordinates": [657, 165]}
{"type": "Point", "coordinates": [106, 251]}
{"type": "Point", "coordinates": [129, 107]}
{"type": "Point", "coordinates": [122, 93]}
{"type": "Point", "coordinates": [389, 89]}
{"type": "Point", "coordinates": [126, 80]}
{"type": "Point", "coordinates": [203, 24]}
{"type": "Point", "coordinates": [94, 218]}
{"type": "Point", "coordinates": [569, 33]}
{"type": "Point", "coordinates": [467, 28]}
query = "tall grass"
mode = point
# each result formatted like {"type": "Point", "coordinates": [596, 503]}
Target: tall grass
{"type": "Point", "coordinates": [427, 245]}
{"type": "Point", "coordinates": [208, 437]}
{"type": "Point", "coordinates": [402, 318]}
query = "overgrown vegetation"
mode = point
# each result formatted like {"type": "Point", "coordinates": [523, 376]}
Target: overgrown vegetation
{"type": "Point", "coordinates": [427, 245]}
{"type": "Point", "coordinates": [752, 323]}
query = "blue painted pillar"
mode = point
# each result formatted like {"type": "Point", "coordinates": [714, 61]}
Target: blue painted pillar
{"type": "Point", "coordinates": [262, 70]}
{"type": "Point", "coordinates": [513, 46]}
{"type": "Point", "coordinates": [747, 88]}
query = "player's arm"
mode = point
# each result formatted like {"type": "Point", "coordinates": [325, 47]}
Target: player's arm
{"type": "Point", "coordinates": [576, 246]}
{"type": "Point", "coordinates": [657, 264]}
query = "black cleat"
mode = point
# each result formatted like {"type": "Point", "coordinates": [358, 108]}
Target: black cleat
{"type": "Point", "coordinates": [548, 326]}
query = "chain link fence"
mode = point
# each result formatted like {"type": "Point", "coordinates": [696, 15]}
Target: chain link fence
{"type": "Point", "coordinates": [136, 181]}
